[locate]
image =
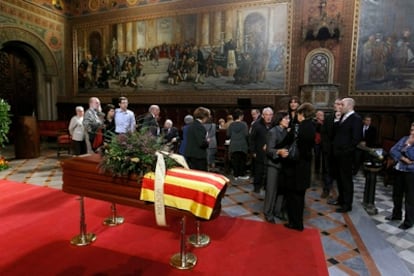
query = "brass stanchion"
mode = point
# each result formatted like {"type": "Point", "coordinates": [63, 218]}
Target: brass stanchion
{"type": "Point", "coordinates": [183, 260]}
{"type": "Point", "coordinates": [199, 240]}
{"type": "Point", "coordinates": [83, 238]}
{"type": "Point", "coordinates": [113, 220]}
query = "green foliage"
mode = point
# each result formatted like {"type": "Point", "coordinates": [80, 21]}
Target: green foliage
{"type": "Point", "coordinates": [132, 153]}
{"type": "Point", "coordinates": [5, 122]}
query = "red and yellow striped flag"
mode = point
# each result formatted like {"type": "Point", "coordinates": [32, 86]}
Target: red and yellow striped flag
{"type": "Point", "coordinates": [190, 190]}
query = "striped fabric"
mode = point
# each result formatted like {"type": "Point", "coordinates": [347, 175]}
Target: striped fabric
{"type": "Point", "coordinates": [190, 190]}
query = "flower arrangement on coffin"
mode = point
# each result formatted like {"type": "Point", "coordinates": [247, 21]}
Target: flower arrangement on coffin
{"type": "Point", "coordinates": [5, 122]}
{"type": "Point", "coordinates": [133, 153]}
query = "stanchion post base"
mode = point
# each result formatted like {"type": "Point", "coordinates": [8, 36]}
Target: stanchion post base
{"type": "Point", "coordinates": [110, 221]}
{"type": "Point", "coordinates": [201, 240]}
{"type": "Point", "coordinates": [82, 240]}
{"type": "Point", "coordinates": [183, 262]}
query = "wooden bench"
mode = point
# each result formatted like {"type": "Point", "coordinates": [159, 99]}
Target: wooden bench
{"type": "Point", "coordinates": [81, 177]}
{"type": "Point", "coordinates": [51, 128]}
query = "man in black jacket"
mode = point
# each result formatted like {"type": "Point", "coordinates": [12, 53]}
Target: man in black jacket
{"type": "Point", "coordinates": [347, 136]}
{"type": "Point", "coordinates": [327, 134]}
{"type": "Point", "coordinates": [257, 142]}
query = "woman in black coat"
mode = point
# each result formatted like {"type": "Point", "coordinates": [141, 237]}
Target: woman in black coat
{"type": "Point", "coordinates": [197, 143]}
{"type": "Point", "coordinates": [298, 172]}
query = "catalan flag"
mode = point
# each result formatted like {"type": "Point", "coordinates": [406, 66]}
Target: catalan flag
{"type": "Point", "coordinates": [190, 190]}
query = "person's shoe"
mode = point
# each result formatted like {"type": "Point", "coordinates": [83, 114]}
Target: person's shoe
{"type": "Point", "coordinates": [392, 217]}
{"type": "Point", "coordinates": [282, 216]}
{"type": "Point", "coordinates": [343, 209]}
{"type": "Point", "coordinates": [246, 177]}
{"type": "Point", "coordinates": [404, 226]}
{"type": "Point", "coordinates": [270, 219]}
{"type": "Point", "coordinates": [333, 201]}
{"type": "Point", "coordinates": [325, 194]}
{"type": "Point", "coordinates": [293, 227]}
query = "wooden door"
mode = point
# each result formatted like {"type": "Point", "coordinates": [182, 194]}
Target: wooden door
{"type": "Point", "coordinates": [18, 81]}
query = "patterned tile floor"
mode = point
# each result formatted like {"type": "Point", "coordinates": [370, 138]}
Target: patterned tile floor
{"type": "Point", "coordinates": [354, 243]}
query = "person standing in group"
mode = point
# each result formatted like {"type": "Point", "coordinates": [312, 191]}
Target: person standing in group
{"type": "Point", "coordinates": [403, 155]}
{"type": "Point", "coordinates": [109, 122]}
{"type": "Point", "coordinates": [188, 119]}
{"type": "Point", "coordinates": [150, 120]}
{"type": "Point", "coordinates": [238, 133]}
{"type": "Point", "coordinates": [327, 134]}
{"type": "Point", "coordinates": [257, 147]}
{"type": "Point", "coordinates": [77, 132]}
{"type": "Point", "coordinates": [293, 105]}
{"type": "Point", "coordinates": [256, 117]}
{"type": "Point", "coordinates": [255, 113]}
{"type": "Point", "coordinates": [347, 136]}
{"type": "Point", "coordinates": [197, 143]}
{"type": "Point", "coordinates": [319, 160]}
{"type": "Point", "coordinates": [92, 122]}
{"type": "Point", "coordinates": [369, 139]}
{"type": "Point", "coordinates": [170, 135]}
{"type": "Point", "coordinates": [211, 129]}
{"type": "Point", "coordinates": [297, 173]}
{"type": "Point", "coordinates": [124, 118]}
{"type": "Point", "coordinates": [275, 151]}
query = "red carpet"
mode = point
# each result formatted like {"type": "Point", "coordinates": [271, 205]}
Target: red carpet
{"type": "Point", "coordinates": [38, 223]}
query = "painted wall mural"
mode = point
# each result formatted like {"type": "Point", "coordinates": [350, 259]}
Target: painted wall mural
{"type": "Point", "coordinates": [245, 48]}
{"type": "Point", "coordinates": [385, 50]}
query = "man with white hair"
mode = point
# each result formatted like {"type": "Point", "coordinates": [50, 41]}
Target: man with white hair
{"type": "Point", "coordinates": [92, 122]}
{"type": "Point", "coordinates": [169, 132]}
{"type": "Point", "coordinates": [150, 120]}
{"type": "Point", "coordinates": [347, 136]}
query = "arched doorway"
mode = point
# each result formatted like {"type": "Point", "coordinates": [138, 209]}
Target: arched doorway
{"type": "Point", "coordinates": [18, 84]}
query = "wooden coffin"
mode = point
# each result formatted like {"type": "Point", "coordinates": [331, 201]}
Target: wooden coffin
{"type": "Point", "coordinates": [81, 177]}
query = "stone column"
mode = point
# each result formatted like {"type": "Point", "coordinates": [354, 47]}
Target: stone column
{"type": "Point", "coordinates": [205, 29]}
{"type": "Point", "coordinates": [217, 38]}
{"type": "Point", "coordinates": [120, 36]}
{"type": "Point", "coordinates": [128, 37]}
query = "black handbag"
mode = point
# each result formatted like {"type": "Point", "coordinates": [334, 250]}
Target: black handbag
{"type": "Point", "coordinates": [293, 151]}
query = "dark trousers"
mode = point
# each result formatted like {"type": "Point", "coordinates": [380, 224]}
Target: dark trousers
{"type": "Point", "coordinates": [295, 205]}
{"type": "Point", "coordinates": [328, 172]}
{"type": "Point", "coordinates": [318, 160]}
{"type": "Point", "coordinates": [238, 162]}
{"type": "Point", "coordinates": [403, 187]}
{"type": "Point", "coordinates": [344, 163]}
{"type": "Point", "coordinates": [197, 163]}
{"type": "Point", "coordinates": [259, 172]}
{"type": "Point", "coordinates": [78, 147]}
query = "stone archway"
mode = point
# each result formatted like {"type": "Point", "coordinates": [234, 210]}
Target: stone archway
{"type": "Point", "coordinates": [45, 64]}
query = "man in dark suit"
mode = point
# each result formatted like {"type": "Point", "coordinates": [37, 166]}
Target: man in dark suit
{"type": "Point", "coordinates": [170, 135]}
{"type": "Point", "coordinates": [150, 120]}
{"type": "Point", "coordinates": [347, 136]}
{"type": "Point", "coordinates": [369, 133]}
{"type": "Point", "coordinates": [369, 139]}
{"type": "Point", "coordinates": [327, 134]}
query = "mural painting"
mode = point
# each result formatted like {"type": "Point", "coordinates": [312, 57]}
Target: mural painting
{"type": "Point", "coordinates": [385, 54]}
{"type": "Point", "coordinates": [236, 49]}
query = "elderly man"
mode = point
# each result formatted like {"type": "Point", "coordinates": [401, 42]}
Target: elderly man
{"type": "Point", "coordinates": [257, 147]}
{"type": "Point", "coordinates": [92, 122]}
{"type": "Point", "coordinates": [169, 132]}
{"type": "Point", "coordinates": [150, 120]}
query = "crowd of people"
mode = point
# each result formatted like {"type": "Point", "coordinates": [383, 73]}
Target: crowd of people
{"type": "Point", "coordinates": [332, 143]}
